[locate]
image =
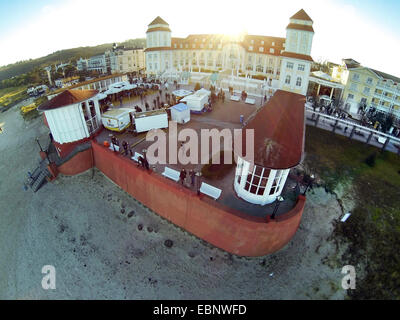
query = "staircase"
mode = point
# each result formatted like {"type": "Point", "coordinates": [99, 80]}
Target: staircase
{"type": "Point", "coordinates": [39, 175]}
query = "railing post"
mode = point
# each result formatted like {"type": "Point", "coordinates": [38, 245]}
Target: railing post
{"type": "Point", "coordinates": [352, 132]}
{"type": "Point", "coordinates": [334, 126]}
{"type": "Point", "coordinates": [317, 120]}
{"type": "Point", "coordinates": [369, 137]}
{"type": "Point", "coordinates": [385, 144]}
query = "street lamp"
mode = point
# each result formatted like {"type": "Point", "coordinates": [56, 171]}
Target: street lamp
{"type": "Point", "coordinates": [279, 199]}
{"type": "Point", "coordinates": [309, 183]}
{"type": "Point", "coordinates": [198, 174]}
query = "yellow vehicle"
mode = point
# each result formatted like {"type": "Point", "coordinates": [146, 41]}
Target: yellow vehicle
{"type": "Point", "coordinates": [117, 119]}
{"type": "Point", "coordinates": [28, 108]}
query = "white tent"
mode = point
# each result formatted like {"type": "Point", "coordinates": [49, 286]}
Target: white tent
{"type": "Point", "coordinates": [197, 100]}
{"type": "Point", "coordinates": [180, 113]}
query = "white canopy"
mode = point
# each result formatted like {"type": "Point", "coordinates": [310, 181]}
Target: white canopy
{"type": "Point", "coordinates": [101, 96]}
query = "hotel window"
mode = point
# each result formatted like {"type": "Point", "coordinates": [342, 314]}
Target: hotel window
{"type": "Point", "coordinates": [204, 40]}
{"type": "Point", "coordinates": [210, 45]}
{"type": "Point", "coordinates": [220, 46]}
{"type": "Point", "coordinates": [366, 90]}
{"type": "Point", "coordinates": [252, 41]}
{"type": "Point", "coordinates": [259, 68]}
{"type": "Point", "coordinates": [187, 46]}
{"type": "Point", "coordinates": [289, 65]}
{"type": "Point", "coordinates": [364, 100]}
{"type": "Point", "coordinates": [201, 45]}
{"type": "Point", "coordinates": [194, 46]}
{"type": "Point", "coordinates": [150, 66]}
{"type": "Point", "coordinates": [181, 46]}
{"type": "Point", "coordinates": [356, 77]}
{"type": "Point", "coordinates": [298, 82]}
{"type": "Point", "coordinates": [301, 67]}
{"type": "Point", "coordinates": [271, 50]}
{"type": "Point", "coordinates": [175, 45]}
{"type": "Point", "coordinates": [261, 49]}
{"type": "Point", "coordinates": [251, 48]}
{"type": "Point", "coordinates": [262, 42]}
{"type": "Point", "coordinates": [353, 87]}
{"type": "Point", "coordinates": [273, 43]}
{"type": "Point", "coordinates": [350, 96]}
{"type": "Point", "coordinates": [287, 80]}
{"type": "Point", "coordinates": [369, 81]}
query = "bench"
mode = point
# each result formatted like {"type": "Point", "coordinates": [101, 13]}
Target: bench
{"type": "Point", "coordinates": [136, 157]}
{"type": "Point", "coordinates": [211, 191]}
{"type": "Point", "coordinates": [116, 147]}
{"type": "Point", "coordinates": [381, 140]}
{"type": "Point", "coordinates": [235, 98]}
{"type": "Point", "coordinates": [171, 173]}
{"type": "Point", "coordinates": [250, 101]}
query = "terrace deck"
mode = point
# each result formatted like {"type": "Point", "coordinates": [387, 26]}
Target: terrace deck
{"type": "Point", "coordinates": [223, 116]}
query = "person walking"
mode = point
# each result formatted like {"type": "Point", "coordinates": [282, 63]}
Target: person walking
{"type": "Point", "coordinates": [182, 176]}
{"type": "Point", "coordinates": [192, 175]}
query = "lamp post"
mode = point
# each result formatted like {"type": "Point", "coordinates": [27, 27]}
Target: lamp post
{"type": "Point", "coordinates": [279, 199]}
{"type": "Point", "coordinates": [198, 174]}
{"type": "Point", "coordinates": [37, 140]}
{"type": "Point", "coordinates": [309, 183]}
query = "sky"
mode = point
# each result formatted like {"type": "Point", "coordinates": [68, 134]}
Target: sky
{"type": "Point", "coordinates": [365, 30]}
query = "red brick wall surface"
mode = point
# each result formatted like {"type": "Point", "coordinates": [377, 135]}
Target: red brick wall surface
{"type": "Point", "coordinates": [81, 162]}
{"type": "Point", "coordinates": [221, 226]}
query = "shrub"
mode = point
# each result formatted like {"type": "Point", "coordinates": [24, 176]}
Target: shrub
{"type": "Point", "coordinates": [371, 159]}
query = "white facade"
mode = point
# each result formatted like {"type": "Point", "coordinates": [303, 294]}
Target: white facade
{"type": "Point", "coordinates": [258, 185]}
{"type": "Point", "coordinates": [245, 55]}
{"type": "Point", "coordinates": [97, 63]}
{"type": "Point", "coordinates": [294, 75]}
{"type": "Point", "coordinates": [74, 122]}
{"type": "Point", "coordinates": [82, 64]}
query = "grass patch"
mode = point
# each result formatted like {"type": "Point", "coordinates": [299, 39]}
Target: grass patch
{"type": "Point", "coordinates": [218, 171]}
{"type": "Point", "coordinates": [373, 230]}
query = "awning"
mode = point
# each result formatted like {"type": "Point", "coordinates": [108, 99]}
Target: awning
{"type": "Point", "coordinates": [180, 107]}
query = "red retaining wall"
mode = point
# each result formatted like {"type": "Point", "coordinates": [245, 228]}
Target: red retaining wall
{"type": "Point", "coordinates": [223, 227]}
{"type": "Point", "coordinates": [81, 162]}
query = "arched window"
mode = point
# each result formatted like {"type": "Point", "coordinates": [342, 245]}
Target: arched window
{"type": "Point", "coordinates": [298, 81]}
{"type": "Point", "coordinates": [287, 80]}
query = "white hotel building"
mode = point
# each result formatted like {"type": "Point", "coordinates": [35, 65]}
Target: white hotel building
{"type": "Point", "coordinates": [285, 59]}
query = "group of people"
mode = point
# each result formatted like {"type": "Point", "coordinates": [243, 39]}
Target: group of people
{"type": "Point", "coordinates": [330, 110]}
{"type": "Point", "coordinates": [183, 175]}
